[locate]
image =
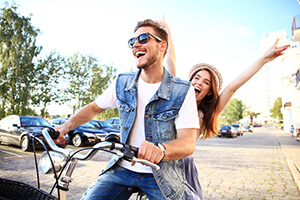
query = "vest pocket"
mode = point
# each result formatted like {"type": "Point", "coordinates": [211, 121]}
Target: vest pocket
{"type": "Point", "coordinates": [165, 124]}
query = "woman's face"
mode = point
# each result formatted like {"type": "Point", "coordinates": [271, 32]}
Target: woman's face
{"type": "Point", "coordinates": [202, 84]}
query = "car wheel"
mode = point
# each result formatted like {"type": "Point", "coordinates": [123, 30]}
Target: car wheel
{"type": "Point", "coordinates": [77, 140]}
{"type": "Point", "coordinates": [25, 143]}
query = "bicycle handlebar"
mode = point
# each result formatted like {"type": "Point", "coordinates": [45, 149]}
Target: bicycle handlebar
{"type": "Point", "coordinates": [124, 151]}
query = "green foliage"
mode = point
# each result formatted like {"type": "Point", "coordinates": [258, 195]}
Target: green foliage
{"type": "Point", "coordinates": [86, 79]}
{"type": "Point", "coordinates": [276, 110]}
{"type": "Point", "coordinates": [17, 51]}
{"type": "Point", "coordinates": [76, 80]}
{"type": "Point", "coordinates": [108, 114]}
{"type": "Point", "coordinates": [250, 113]}
{"type": "Point", "coordinates": [49, 78]}
{"type": "Point", "coordinates": [233, 112]}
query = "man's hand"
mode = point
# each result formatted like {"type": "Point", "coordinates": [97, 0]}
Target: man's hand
{"type": "Point", "coordinates": [63, 130]}
{"type": "Point", "coordinates": [150, 152]}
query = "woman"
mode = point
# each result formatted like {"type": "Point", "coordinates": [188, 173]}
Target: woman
{"type": "Point", "coordinates": [207, 82]}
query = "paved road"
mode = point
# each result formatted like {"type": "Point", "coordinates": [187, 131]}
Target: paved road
{"type": "Point", "coordinates": [252, 166]}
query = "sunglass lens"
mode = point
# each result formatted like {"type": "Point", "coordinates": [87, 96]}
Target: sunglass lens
{"type": "Point", "coordinates": [131, 42]}
{"type": "Point", "coordinates": [143, 38]}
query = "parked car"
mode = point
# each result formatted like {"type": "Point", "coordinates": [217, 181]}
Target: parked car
{"type": "Point", "coordinates": [114, 121]}
{"type": "Point", "coordinates": [228, 131]}
{"type": "Point", "coordinates": [85, 134]}
{"type": "Point", "coordinates": [239, 128]}
{"type": "Point", "coordinates": [248, 128]}
{"type": "Point", "coordinates": [106, 127]}
{"type": "Point", "coordinates": [20, 130]}
{"type": "Point", "coordinates": [257, 124]}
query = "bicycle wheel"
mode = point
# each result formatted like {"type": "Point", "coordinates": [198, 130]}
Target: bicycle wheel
{"type": "Point", "coordinates": [16, 190]}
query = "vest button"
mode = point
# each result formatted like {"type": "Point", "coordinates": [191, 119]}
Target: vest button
{"type": "Point", "coordinates": [125, 128]}
{"type": "Point", "coordinates": [165, 116]}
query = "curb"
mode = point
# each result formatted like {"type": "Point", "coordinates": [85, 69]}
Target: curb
{"type": "Point", "coordinates": [295, 170]}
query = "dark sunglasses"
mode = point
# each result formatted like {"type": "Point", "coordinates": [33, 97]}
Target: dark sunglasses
{"type": "Point", "coordinates": [142, 39]}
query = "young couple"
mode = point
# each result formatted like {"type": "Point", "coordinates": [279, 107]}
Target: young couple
{"type": "Point", "coordinates": [158, 113]}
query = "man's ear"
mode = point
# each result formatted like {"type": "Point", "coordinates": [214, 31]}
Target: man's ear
{"type": "Point", "coordinates": [164, 45]}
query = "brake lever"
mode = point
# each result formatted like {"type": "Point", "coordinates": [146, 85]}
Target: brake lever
{"type": "Point", "coordinates": [130, 154]}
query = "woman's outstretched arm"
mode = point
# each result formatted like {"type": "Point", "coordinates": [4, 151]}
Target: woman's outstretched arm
{"type": "Point", "coordinates": [170, 57]}
{"type": "Point", "coordinates": [268, 56]}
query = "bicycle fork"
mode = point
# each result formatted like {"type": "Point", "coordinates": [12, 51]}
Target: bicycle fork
{"type": "Point", "coordinates": [64, 181]}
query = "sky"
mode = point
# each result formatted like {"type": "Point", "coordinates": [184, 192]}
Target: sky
{"type": "Point", "coordinates": [225, 34]}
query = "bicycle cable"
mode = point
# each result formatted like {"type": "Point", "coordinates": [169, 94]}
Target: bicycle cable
{"type": "Point", "coordinates": [52, 164]}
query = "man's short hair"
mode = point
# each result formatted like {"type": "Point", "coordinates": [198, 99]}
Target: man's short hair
{"type": "Point", "coordinates": [158, 28]}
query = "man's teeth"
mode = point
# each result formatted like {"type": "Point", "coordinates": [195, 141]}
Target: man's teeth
{"type": "Point", "coordinates": [139, 54]}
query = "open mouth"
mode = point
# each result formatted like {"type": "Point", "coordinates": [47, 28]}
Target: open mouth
{"type": "Point", "coordinates": [197, 91]}
{"type": "Point", "coordinates": [140, 54]}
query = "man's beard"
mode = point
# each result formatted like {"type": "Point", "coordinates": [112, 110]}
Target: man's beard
{"type": "Point", "coordinates": [148, 63]}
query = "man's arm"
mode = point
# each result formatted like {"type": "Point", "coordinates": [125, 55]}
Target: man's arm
{"type": "Point", "coordinates": [85, 114]}
{"type": "Point", "coordinates": [183, 146]}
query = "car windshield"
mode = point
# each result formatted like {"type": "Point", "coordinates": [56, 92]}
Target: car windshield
{"type": "Point", "coordinates": [225, 128]}
{"type": "Point", "coordinates": [235, 125]}
{"type": "Point", "coordinates": [87, 125]}
{"type": "Point", "coordinates": [32, 121]}
{"type": "Point", "coordinates": [105, 124]}
{"type": "Point", "coordinates": [113, 120]}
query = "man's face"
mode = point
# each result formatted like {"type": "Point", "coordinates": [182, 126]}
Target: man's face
{"type": "Point", "coordinates": [146, 54]}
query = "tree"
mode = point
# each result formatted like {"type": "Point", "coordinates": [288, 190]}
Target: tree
{"type": "Point", "coordinates": [49, 77]}
{"type": "Point", "coordinates": [276, 110]}
{"type": "Point", "coordinates": [250, 113]}
{"type": "Point", "coordinates": [78, 79]}
{"type": "Point", "coordinates": [86, 79]}
{"type": "Point", "coordinates": [17, 51]}
{"type": "Point", "coordinates": [233, 112]}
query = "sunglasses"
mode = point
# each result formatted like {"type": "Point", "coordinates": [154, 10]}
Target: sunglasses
{"type": "Point", "coordinates": [142, 39]}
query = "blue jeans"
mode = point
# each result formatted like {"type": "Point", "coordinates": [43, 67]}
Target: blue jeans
{"type": "Point", "coordinates": [114, 184]}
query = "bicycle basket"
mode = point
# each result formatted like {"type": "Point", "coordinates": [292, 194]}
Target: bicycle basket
{"type": "Point", "coordinates": [15, 190]}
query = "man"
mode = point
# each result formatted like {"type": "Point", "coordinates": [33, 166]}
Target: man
{"type": "Point", "coordinates": [157, 114]}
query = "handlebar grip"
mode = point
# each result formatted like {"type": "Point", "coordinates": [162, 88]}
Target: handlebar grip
{"type": "Point", "coordinates": [146, 162]}
{"type": "Point", "coordinates": [53, 133]}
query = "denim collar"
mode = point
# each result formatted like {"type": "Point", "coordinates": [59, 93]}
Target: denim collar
{"type": "Point", "coordinates": [164, 90]}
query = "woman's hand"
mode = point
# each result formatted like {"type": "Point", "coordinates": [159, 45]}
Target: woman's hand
{"type": "Point", "coordinates": [274, 51]}
{"type": "Point", "coordinates": [170, 57]}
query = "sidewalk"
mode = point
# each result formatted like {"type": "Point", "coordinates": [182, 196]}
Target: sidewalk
{"type": "Point", "coordinates": [291, 149]}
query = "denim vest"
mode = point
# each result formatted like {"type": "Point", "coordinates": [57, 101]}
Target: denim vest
{"type": "Point", "coordinates": [160, 114]}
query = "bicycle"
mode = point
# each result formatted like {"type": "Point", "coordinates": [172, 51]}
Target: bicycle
{"type": "Point", "coordinates": [62, 162]}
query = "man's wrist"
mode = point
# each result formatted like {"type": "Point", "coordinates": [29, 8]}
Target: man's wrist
{"type": "Point", "coordinates": [163, 148]}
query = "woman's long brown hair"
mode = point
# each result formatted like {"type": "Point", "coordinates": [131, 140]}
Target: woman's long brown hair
{"type": "Point", "coordinates": [209, 108]}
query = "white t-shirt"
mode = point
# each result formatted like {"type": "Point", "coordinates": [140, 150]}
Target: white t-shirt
{"type": "Point", "coordinates": [187, 117]}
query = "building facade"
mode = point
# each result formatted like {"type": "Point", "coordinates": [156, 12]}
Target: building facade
{"type": "Point", "coordinates": [290, 86]}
